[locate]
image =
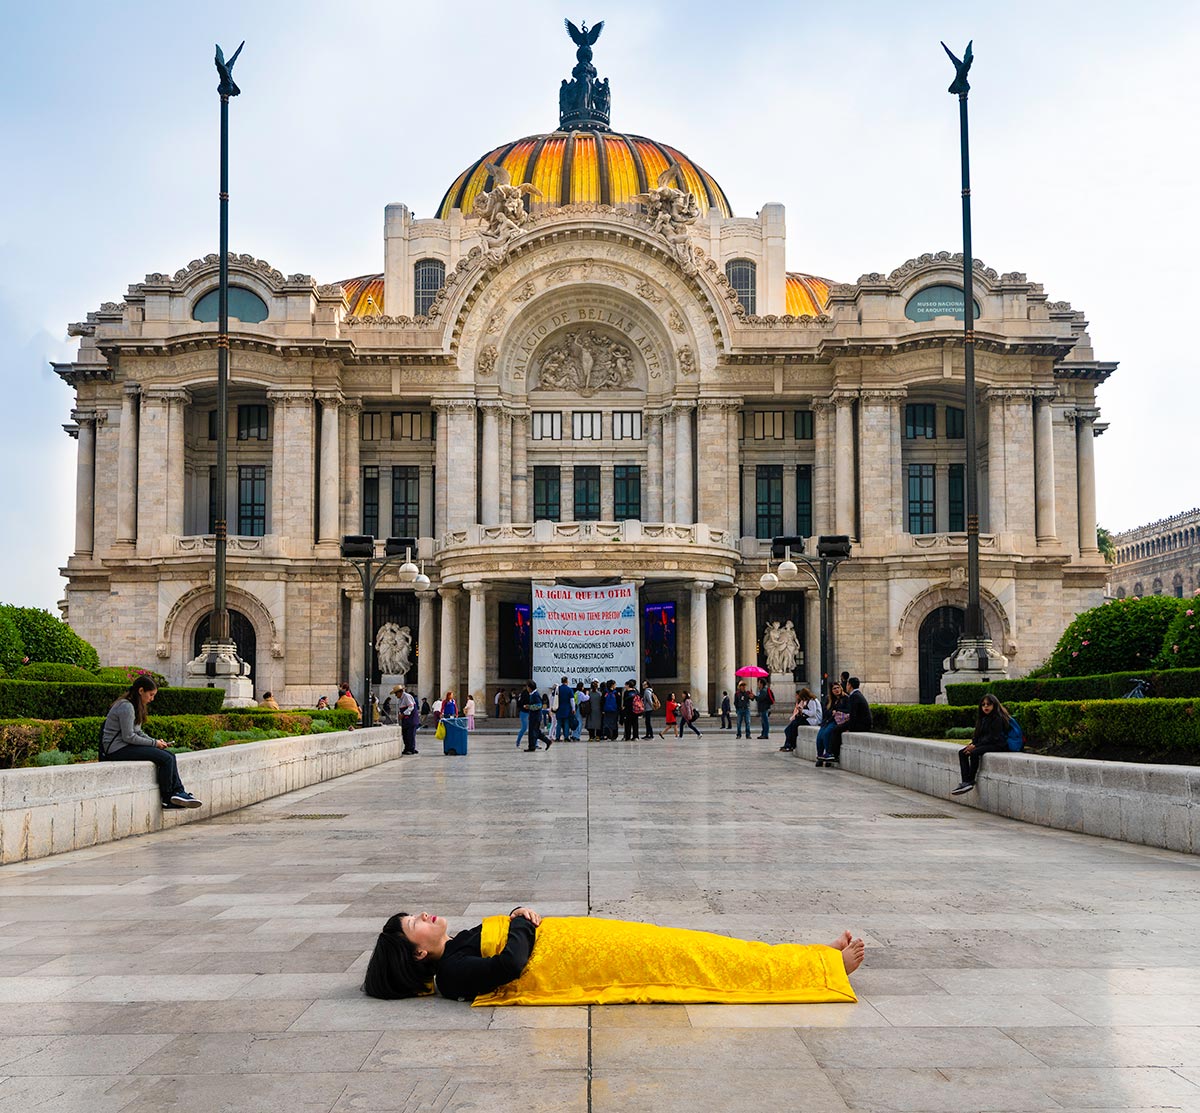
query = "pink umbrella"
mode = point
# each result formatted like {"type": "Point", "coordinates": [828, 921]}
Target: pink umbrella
{"type": "Point", "coordinates": [751, 670]}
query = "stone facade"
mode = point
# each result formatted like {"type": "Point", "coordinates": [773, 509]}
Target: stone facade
{"type": "Point", "coordinates": [1162, 558]}
{"type": "Point", "coordinates": [585, 339]}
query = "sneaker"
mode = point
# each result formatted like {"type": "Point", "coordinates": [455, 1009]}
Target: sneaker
{"type": "Point", "coordinates": [185, 800]}
{"type": "Point", "coordinates": [963, 788]}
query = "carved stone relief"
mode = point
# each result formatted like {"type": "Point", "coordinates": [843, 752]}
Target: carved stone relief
{"type": "Point", "coordinates": [585, 361]}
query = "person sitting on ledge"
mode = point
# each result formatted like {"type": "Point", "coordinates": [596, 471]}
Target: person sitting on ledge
{"type": "Point", "coordinates": [525, 959]}
{"type": "Point", "coordinates": [269, 702]}
{"type": "Point", "coordinates": [994, 727]}
{"type": "Point", "coordinates": [122, 739]}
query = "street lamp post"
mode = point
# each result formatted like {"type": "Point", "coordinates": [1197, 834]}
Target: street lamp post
{"type": "Point", "coordinates": [359, 550]}
{"type": "Point", "coordinates": [831, 551]}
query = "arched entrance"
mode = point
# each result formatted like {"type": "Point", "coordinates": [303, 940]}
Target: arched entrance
{"type": "Point", "coordinates": [241, 629]}
{"type": "Point", "coordinates": [937, 639]}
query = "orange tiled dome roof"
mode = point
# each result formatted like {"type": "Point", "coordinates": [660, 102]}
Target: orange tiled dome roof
{"type": "Point", "coordinates": [583, 167]}
{"type": "Point", "coordinates": [365, 294]}
{"type": "Point", "coordinates": [807, 295]}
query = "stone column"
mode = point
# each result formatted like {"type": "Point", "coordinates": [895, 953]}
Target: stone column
{"type": "Point", "coordinates": [684, 456]}
{"type": "Point", "coordinates": [351, 412]}
{"type": "Point", "coordinates": [441, 467]}
{"type": "Point", "coordinates": [506, 456]}
{"type": "Point", "coordinates": [152, 473]}
{"type": "Point", "coordinates": [749, 639]}
{"type": "Point", "coordinates": [726, 642]}
{"type": "Point", "coordinates": [879, 460]}
{"type": "Point", "coordinates": [652, 489]}
{"type": "Point", "coordinates": [426, 651]}
{"type": "Point", "coordinates": [1085, 449]}
{"type": "Point", "coordinates": [448, 658]}
{"type": "Point", "coordinates": [823, 516]}
{"type": "Point", "coordinates": [458, 479]}
{"type": "Point", "coordinates": [520, 467]}
{"type": "Point", "coordinates": [997, 503]}
{"type": "Point", "coordinates": [668, 465]}
{"type": "Point", "coordinates": [127, 474]}
{"type": "Point", "coordinates": [845, 483]}
{"type": "Point", "coordinates": [85, 481]}
{"type": "Point", "coordinates": [717, 460]}
{"type": "Point", "coordinates": [330, 489]}
{"type": "Point", "coordinates": [357, 665]}
{"type": "Point", "coordinates": [1047, 526]}
{"type": "Point", "coordinates": [477, 647]}
{"type": "Point", "coordinates": [698, 667]}
{"type": "Point", "coordinates": [608, 493]}
{"type": "Point", "coordinates": [176, 460]}
{"type": "Point", "coordinates": [489, 477]}
{"type": "Point", "coordinates": [425, 497]}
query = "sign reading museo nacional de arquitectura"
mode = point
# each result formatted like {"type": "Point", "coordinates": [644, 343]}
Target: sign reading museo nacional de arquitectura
{"type": "Point", "coordinates": [584, 633]}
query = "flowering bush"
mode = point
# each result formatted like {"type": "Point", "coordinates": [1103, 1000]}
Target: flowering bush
{"type": "Point", "coordinates": [1120, 635]}
{"type": "Point", "coordinates": [1181, 644]}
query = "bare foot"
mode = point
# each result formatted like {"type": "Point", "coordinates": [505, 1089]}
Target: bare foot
{"type": "Point", "coordinates": [842, 941]}
{"type": "Point", "coordinates": [853, 954]}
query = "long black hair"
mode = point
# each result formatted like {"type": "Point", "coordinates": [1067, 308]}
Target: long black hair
{"type": "Point", "coordinates": [140, 684]}
{"type": "Point", "coordinates": [995, 724]}
{"type": "Point", "coordinates": [394, 970]}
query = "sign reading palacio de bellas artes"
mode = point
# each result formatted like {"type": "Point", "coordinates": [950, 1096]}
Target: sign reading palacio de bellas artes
{"type": "Point", "coordinates": [584, 633]}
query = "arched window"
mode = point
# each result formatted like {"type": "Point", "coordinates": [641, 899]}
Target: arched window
{"type": "Point", "coordinates": [429, 276]}
{"type": "Point", "coordinates": [1120, 593]}
{"type": "Point", "coordinates": [743, 275]}
{"type": "Point", "coordinates": [244, 305]}
{"type": "Point", "coordinates": [1137, 589]}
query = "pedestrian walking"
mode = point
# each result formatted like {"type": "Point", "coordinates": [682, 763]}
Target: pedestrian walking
{"type": "Point", "coordinates": [687, 714]}
{"type": "Point", "coordinates": [469, 711]}
{"type": "Point", "coordinates": [522, 705]}
{"type": "Point", "coordinates": [408, 714]}
{"type": "Point", "coordinates": [726, 712]}
{"type": "Point", "coordinates": [650, 705]}
{"type": "Point", "coordinates": [669, 716]}
{"type": "Point", "coordinates": [631, 710]}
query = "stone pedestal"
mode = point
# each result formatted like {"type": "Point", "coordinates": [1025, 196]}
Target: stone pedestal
{"type": "Point", "coordinates": [387, 682]}
{"type": "Point", "coordinates": [230, 672]}
{"type": "Point", "coordinates": [974, 662]}
{"type": "Point", "coordinates": [785, 689]}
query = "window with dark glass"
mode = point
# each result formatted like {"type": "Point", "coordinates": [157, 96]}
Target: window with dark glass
{"type": "Point", "coordinates": [370, 501]}
{"type": "Point", "coordinates": [546, 494]}
{"type": "Point", "coordinates": [587, 425]}
{"type": "Point", "coordinates": [405, 484]}
{"type": "Point", "coordinates": [587, 493]}
{"type": "Point", "coordinates": [919, 420]}
{"type": "Point", "coordinates": [371, 426]}
{"type": "Point", "coordinates": [212, 425]}
{"type": "Point", "coordinates": [429, 276]}
{"type": "Point", "coordinates": [956, 489]}
{"type": "Point", "coordinates": [804, 500]}
{"type": "Point", "coordinates": [804, 425]}
{"type": "Point", "coordinates": [627, 492]}
{"type": "Point", "coordinates": [955, 427]}
{"type": "Point", "coordinates": [252, 500]}
{"type": "Point", "coordinates": [768, 500]}
{"type": "Point", "coordinates": [252, 423]}
{"type": "Point", "coordinates": [244, 305]}
{"type": "Point", "coordinates": [742, 275]}
{"type": "Point", "coordinates": [920, 498]}
{"type": "Point", "coordinates": [212, 498]}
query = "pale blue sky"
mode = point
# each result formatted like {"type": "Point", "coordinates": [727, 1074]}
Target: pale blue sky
{"type": "Point", "coordinates": [1084, 163]}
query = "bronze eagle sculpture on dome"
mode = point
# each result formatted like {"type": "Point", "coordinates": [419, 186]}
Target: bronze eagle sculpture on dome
{"type": "Point", "coordinates": [584, 39]}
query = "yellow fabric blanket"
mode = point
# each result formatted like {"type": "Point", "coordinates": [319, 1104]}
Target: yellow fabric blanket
{"type": "Point", "coordinates": [584, 961]}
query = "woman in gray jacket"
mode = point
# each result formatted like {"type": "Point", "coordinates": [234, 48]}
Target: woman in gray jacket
{"type": "Point", "coordinates": [123, 739]}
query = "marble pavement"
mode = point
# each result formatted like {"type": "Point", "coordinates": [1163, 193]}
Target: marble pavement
{"type": "Point", "coordinates": [216, 967]}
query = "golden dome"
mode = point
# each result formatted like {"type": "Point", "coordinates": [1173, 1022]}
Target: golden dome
{"type": "Point", "coordinates": [365, 294]}
{"type": "Point", "coordinates": [807, 295]}
{"type": "Point", "coordinates": [583, 167]}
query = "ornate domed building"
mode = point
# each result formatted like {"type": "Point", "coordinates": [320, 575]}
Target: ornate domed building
{"type": "Point", "coordinates": [584, 370]}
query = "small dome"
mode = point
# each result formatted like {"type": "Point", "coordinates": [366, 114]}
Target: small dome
{"type": "Point", "coordinates": [807, 295]}
{"type": "Point", "coordinates": [583, 167]}
{"type": "Point", "coordinates": [365, 294]}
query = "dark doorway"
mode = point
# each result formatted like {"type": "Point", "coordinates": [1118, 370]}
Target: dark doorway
{"type": "Point", "coordinates": [241, 629]}
{"type": "Point", "coordinates": [937, 640]}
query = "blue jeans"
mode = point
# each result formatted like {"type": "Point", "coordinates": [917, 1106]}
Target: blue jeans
{"type": "Point", "coordinates": [823, 737]}
{"type": "Point", "coordinates": [524, 727]}
{"type": "Point", "coordinates": [765, 717]}
{"type": "Point", "coordinates": [743, 719]}
{"type": "Point", "coordinates": [165, 767]}
{"type": "Point", "coordinates": [562, 725]}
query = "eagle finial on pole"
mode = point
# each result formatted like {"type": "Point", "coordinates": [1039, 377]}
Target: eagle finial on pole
{"type": "Point", "coordinates": [962, 66]}
{"type": "Point", "coordinates": [227, 87]}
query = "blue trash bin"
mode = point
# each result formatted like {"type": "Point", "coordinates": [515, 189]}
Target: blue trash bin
{"type": "Point", "coordinates": [455, 741]}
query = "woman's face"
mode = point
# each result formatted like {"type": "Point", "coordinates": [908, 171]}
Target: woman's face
{"type": "Point", "coordinates": [836, 689]}
{"type": "Point", "coordinates": [987, 707]}
{"type": "Point", "coordinates": [148, 695]}
{"type": "Point", "coordinates": [425, 932]}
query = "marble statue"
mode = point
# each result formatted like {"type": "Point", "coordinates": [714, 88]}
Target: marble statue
{"type": "Point", "coordinates": [393, 647]}
{"type": "Point", "coordinates": [586, 362]}
{"type": "Point", "coordinates": [781, 647]}
{"type": "Point", "coordinates": [671, 211]}
{"type": "Point", "coordinates": [502, 208]}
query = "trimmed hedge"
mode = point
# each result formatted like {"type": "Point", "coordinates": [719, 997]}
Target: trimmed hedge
{"type": "Point", "coordinates": [126, 675]}
{"type": "Point", "coordinates": [1168, 684]}
{"type": "Point", "coordinates": [32, 699]}
{"type": "Point", "coordinates": [921, 720]}
{"type": "Point", "coordinates": [55, 673]}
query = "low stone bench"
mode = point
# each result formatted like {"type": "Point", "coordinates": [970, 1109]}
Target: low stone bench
{"type": "Point", "coordinates": [1153, 805]}
{"type": "Point", "coordinates": [66, 807]}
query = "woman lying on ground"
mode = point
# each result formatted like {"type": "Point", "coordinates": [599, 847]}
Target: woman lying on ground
{"type": "Point", "coordinates": [523, 959]}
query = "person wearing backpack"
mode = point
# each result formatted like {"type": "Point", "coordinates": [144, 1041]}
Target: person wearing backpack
{"type": "Point", "coordinates": [764, 700]}
{"type": "Point", "coordinates": [535, 719]}
{"type": "Point", "coordinates": [631, 710]}
{"type": "Point", "coordinates": [612, 710]}
{"type": "Point", "coordinates": [649, 706]}
{"type": "Point", "coordinates": [687, 714]}
{"type": "Point", "coordinates": [996, 731]}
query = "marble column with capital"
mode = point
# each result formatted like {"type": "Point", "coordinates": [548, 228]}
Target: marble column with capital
{"type": "Point", "coordinates": [127, 465]}
{"type": "Point", "coordinates": [292, 463]}
{"type": "Point", "coordinates": [726, 643]}
{"type": "Point", "coordinates": [997, 519]}
{"type": "Point", "coordinates": [823, 449]}
{"type": "Point", "coordinates": [845, 482]}
{"type": "Point", "coordinates": [477, 647]}
{"type": "Point", "coordinates": [698, 665]}
{"type": "Point", "coordinates": [85, 481]}
{"type": "Point", "coordinates": [520, 467]}
{"type": "Point", "coordinates": [1043, 439]}
{"type": "Point", "coordinates": [1085, 450]}
{"type": "Point", "coordinates": [489, 476]}
{"type": "Point", "coordinates": [652, 508]}
{"type": "Point", "coordinates": [684, 466]}
{"type": "Point", "coordinates": [717, 462]}
{"type": "Point", "coordinates": [426, 647]}
{"type": "Point", "coordinates": [160, 468]}
{"type": "Point", "coordinates": [330, 482]}
{"type": "Point", "coordinates": [879, 460]}
{"type": "Point", "coordinates": [448, 656]}
{"type": "Point", "coordinates": [460, 476]}
{"type": "Point", "coordinates": [749, 625]}
{"type": "Point", "coordinates": [176, 460]}
{"type": "Point", "coordinates": [357, 665]}
{"type": "Point", "coordinates": [351, 415]}
{"type": "Point", "coordinates": [441, 466]}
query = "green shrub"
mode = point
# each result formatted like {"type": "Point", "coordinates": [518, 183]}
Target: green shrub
{"type": "Point", "coordinates": [920, 720]}
{"type": "Point", "coordinates": [55, 673]}
{"type": "Point", "coordinates": [1172, 683]}
{"type": "Point", "coordinates": [33, 699]}
{"type": "Point", "coordinates": [1119, 635]}
{"type": "Point", "coordinates": [1127, 730]}
{"type": "Point", "coordinates": [231, 737]}
{"type": "Point", "coordinates": [22, 740]}
{"type": "Point", "coordinates": [1181, 643]}
{"type": "Point", "coordinates": [960, 732]}
{"type": "Point", "coordinates": [126, 675]}
{"type": "Point", "coordinates": [81, 735]}
{"type": "Point", "coordinates": [51, 757]}
{"type": "Point", "coordinates": [12, 649]}
{"type": "Point", "coordinates": [47, 638]}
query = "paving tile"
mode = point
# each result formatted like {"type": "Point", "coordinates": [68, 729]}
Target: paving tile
{"type": "Point", "coordinates": [640, 1016]}
{"type": "Point", "coordinates": [839, 1015]}
{"type": "Point", "coordinates": [982, 1012]}
{"type": "Point", "coordinates": [1113, 1009]}
{"type": "Point", "coordinates": [362, 1014]}
{"type": "Point", "coordinates": [236, 1093]}
{"type": "Point", "coordinates": [527, 1090]}
{"type": "Point", "coordinates": [551, 1049]}
{"type": "Point", "coordinates": [98, 1094]}
{"type": "Point", "coordinates": [84, 1055]}
{"type": "Point", "coordinates": [1121, 1047]}
{"type": "Point", "coordinates": [153, 987]}
{"type": "Point", "coordinates": [709, 1049]}
{"type": "Point", "coordinates": [667, 1091]}
{"type": "Point", "coordinates": [842, 1048]}
{"type": "Point", "coordinates": [217, 1053]}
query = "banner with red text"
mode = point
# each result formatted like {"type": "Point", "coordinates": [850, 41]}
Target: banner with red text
{"type": "Point", "coordinates": [585, 633]}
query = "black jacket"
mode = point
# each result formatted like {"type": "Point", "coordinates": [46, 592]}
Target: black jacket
{"type": "Point", "coordinates": [463, 973]}
{"type": "Point", "coordinates": [859, 711]}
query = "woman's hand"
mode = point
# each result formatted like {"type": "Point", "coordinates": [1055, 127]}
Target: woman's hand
{"type": "Point", "coordinates": [528, 913]}
{"type": "Point", "coordinates": [160, 743]}
{"type": "Point", "coordinates": [969, 748]}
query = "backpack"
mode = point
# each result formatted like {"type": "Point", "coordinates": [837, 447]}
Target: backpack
{"type": "Point", "coordinates": [656, 705]}
{"type": "Point", "coordinates": [610, 701]}
{"type": "Point", "coordinates": [771, 697]}
{"type": "Point", "coordinates": [1015, 739]}
{"type": "Point", "coordinates": [639, 705]}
